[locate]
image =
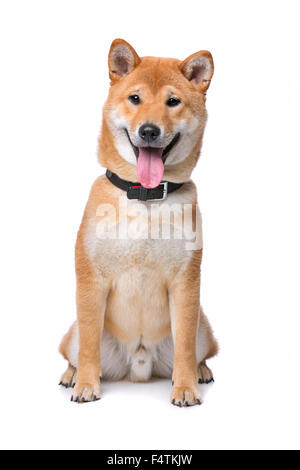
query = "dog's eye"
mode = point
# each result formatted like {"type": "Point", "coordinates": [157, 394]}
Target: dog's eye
{"type": "Point", "coordinates": [134, 99]}
{"type": "Point", "coordinates": [173, 102]}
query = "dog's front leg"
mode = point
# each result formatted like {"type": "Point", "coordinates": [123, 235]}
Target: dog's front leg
{"type": "Point", "coordinates": [184, 293]}
{"type": "Point", "coordinates": [92, 293]}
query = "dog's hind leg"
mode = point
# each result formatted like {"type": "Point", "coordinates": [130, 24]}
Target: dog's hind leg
{"type": "Point", "coordinates": [207, 347]}
{"type": "Point", "coordinates": [205, 375]}
{"type": "Point", "coordinates": [68, 379]}
{"type": "Point", "coordinates": [114, 361]}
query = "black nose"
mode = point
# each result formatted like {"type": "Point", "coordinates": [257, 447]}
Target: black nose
{"type": "Point", "coordinates": [149, 133]}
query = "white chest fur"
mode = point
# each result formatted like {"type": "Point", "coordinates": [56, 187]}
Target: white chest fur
{"type": "Point", "coordinates": [160, 233]}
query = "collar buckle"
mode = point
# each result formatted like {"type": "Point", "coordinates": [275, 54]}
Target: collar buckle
{"type": "Point", "coordinates": [165, 191]}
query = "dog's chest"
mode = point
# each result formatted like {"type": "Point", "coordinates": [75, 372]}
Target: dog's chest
{"type": "Point", "coordinates": [159, 236]}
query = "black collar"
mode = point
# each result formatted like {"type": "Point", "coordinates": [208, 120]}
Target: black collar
{"type": "Point", "coordinates": [136, 191]}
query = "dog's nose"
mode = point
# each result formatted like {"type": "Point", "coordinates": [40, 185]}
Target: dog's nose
{"type": "Point", "coordinates": [149, 133]}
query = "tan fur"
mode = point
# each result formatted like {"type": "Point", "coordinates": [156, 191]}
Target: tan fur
{"type": "Point", "coordinates": [139, 291]}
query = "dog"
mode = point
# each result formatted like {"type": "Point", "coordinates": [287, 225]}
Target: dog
{"type": "Point", "coordinates": [138, 292]}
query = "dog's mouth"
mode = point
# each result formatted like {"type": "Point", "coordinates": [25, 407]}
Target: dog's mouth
{"type": "Point", "coordinates": [151, 160]}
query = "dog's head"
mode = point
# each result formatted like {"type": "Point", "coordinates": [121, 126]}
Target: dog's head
{"type": "Point", "coordinates": [154, 116]}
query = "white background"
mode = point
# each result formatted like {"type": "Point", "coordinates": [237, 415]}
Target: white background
{"type": "Point", "coordinates": [53, 82]}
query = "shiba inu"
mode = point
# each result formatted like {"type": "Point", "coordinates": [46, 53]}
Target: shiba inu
{"type": "Point", "coordinates": [139, 246]}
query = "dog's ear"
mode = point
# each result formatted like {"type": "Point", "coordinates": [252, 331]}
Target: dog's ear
{"type": "Point", "coordinates": [122, 59]}
{"type": "Point", "coordinates": [198, 69]}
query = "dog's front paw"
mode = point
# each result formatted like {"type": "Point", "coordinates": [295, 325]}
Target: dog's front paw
{"type": "Point", "coordinates": [84, 392]}
{"type": "Point", "coordinates": [185, 396]}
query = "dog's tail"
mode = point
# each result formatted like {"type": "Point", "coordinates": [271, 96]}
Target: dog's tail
{"type": "Point", "coordinates": [141, 365]}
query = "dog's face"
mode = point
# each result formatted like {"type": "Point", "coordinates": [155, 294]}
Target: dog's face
{"type": "Point", "coordinates": [156, 111]}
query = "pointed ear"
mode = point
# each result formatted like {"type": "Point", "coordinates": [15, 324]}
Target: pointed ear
{"type": "Point", "coordinates": [122, 59]}
{"type": "Point", "coordinates": [198, 69]}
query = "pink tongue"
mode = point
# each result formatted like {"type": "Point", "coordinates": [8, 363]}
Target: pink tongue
{"type": "Point", "coordinates": [150, 166]}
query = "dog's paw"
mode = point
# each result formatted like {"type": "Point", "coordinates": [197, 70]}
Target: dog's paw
{"type": "Point", "coordinates": [205, 374]}
{"type": "Point", "coordinates": [185, 396]}
{"type": "Point", "coordinates": [84, 393]}
{"type": "Point", "coordinates": [68, 379]}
